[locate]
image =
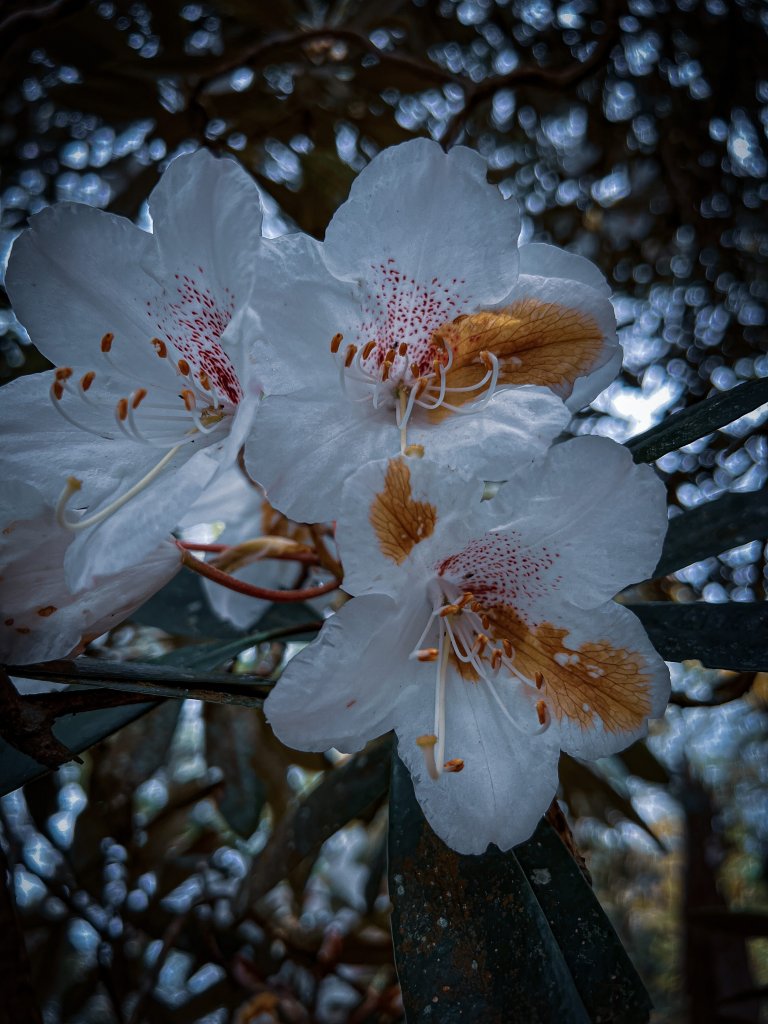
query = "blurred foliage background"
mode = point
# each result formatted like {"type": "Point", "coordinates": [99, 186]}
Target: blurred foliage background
{"type": "Point", "coordinates": [161, 879]}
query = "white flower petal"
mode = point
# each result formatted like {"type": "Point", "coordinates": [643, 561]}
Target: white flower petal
{"type": "Point", "coordinates": [344, 688]}
{"type": "Point", "coordinates": [600, 518]}
{"type": "Point", "coordinates": [587, 388]}
{"type": "Point", "coordinates": [435, 215]}
{"type": "Point", "coordinates": [538, 259]}
{"type": "Point", "coordinates": [509, 776]}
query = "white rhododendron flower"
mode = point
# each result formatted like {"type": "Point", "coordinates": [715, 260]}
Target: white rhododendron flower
{"type": "Point", "coordinates": [420, 326]}
{"type": "Point", "coordinates": [484, 632]}
{"type": "Point", "coordinates": [153, 390]}
{"type": "Point", "coordinates": [41, 617]}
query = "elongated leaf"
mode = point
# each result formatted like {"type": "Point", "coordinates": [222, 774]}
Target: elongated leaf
{"type": "Point", "coordinates": [477, 936]}
{"type": "Point", "coordinates": [732, 636]}
{"type": "Point", "coordinates": [181, 609]}
{"type": "Point", "coordinates": [231, 735]}
{"type": "Point", "coordinates": [78, 732]}
{"type": "Point", "coordinates": [713, 528]}
{"type": "Point", "coordinates": [698, 420]}
{"type": "Point", "coordinates": [154, 680]}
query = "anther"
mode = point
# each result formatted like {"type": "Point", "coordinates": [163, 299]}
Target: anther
{"type": "Point", "coordinates": [415, 450]}
{"type": "Point", "coordinates": [390, 356]}
{"type": "Point", "coordinates": [449, 609]}
{"type": "Point", "coordinates": [336, 341]}
{"type": "Point", "coordinates": [351, 353]}
{"type": "Point", "coordinates": [138, 397]}
{"type": "Point", "coordinates": [428, 744]}
{"type": "Point", "coordinates": [421, 386]}
{"type": "Point", "coordinates": [465, 598]}
{"type": "Point", "coordinates": [189, 399]}
{"type": "Point", "coordinates": [496, 659]}
{"type": "Point", "coordinates": [415, 370]}
{"type": "Point", "coordinates": [456, 764]}
{"type": "Point", "coordinates": [427, 654]}
{"type": "Point", "coordinates": [205, 381]}
{"type": "Point", "coordinates": [58, 390]}
{"type": "Point", "coordinates": [122, 409]}
{"type": "Point", "coordinates": [87, 379]}
{"type": "Point", "coordinates": [106, 341]}
{"type": "Point", "coordinates": [486, 360]}
{"type": "Point", "coordinates": [538, 678]}
{"type": "Point", "coordinates": [385, 368]}
{"type": "Point", "coordinates": [63, 373]}
{"type": "Point", "coordinates": [184, 367]}
{"type": "Point", "coordinates": [509, 650]}
{"type": "Point", "coordinates": [481, 642]}
{"type": "Point", "coordinates": [542, 712]}
{"type": "Point", "coordinates": [402, 348]}
{"type": "Point", "coordinates": [160, 347]}
{"type": "Point", "coordinates": [485, 621]}
{"type": "Point", "coordinates": [368, 348]}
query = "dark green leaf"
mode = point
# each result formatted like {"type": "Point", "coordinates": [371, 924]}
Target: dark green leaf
{"type": "Point", "coordinates": [154, 680]}
{"type": "Point", "coordinates": [181, 609]}
{"type": "Point", "coordinates": [698, 420]}
{"type": "Point", "coordinates": [713, 528]}
{"type": "Point", "coordinates": [475, 936]}
{"type": "Point", "coordinates": [731, 636]}
{"type": "Point", "coordinates": [78, 732]}
{"type": "Point", "coordinates": [231, 735]}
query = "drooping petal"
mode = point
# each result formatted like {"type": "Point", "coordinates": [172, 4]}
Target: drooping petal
{"type": "Point", "coordinates": [599, 675]}
{"type": "Point", "coordinates": [590, 518]}
{"type": "Point", "coordinates": [538, 259]}
{"type": "Point", "coordinates": [344, 688]}
{"type": "Point", "coordinates": [435, 215]}
{"type": "Point", "coordinates": [509, 773]}
{"type": "Point", "coordinates": [42, 618]}
{"type": "Point", "coordinates": [587, 388]}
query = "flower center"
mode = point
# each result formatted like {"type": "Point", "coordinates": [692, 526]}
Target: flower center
{"type": "Point", "coordinates": [465, 636]}
{"type": "Point", "coordinates": [402, 354]}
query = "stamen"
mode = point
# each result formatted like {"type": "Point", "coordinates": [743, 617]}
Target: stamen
{"type": "Point", "coordinates": [509, 650]}
{"type": "Point", "coordinates": [160, 347]}
{"type": "Point", "coordinates": [542, 712]}
{"type": "Point", "coordinates": [538, 679]}
{"type": "Point", "coordinates": [427, 654]}
{"type": "Point", "coordinates": [456, 764]}
{"type": "Point", "coordinates": [449, 609]}
{"type": "Point", "coordinates": [87, 379]}
{"type": "Point", "coordinates": [496, 657]}
{"type": "Point", "coordinates": [122, 410]}
{"type": "Point", "coordinates": [402, 348]}
{"type": "Point", "coordinates": [184, 367]}
{"type": "Point", "coordinates": [138, 397]}
{"type": "Point", "coordinates": [368, 348]}
{"type": "Point", "coordinates": [427, 744]}
{"type": "Point", "coordinates": [464, 599]}
{"type": "Point", "coordinates": [189, 399]}
{"type": "Point", "coordinates": [63, 373]}
{"type": "Point", "coordinates": [106, 341]}
{"type": "Point", "coordinates": [351, 353]}
{"type": "Point", "coordinates": [73, 485]}
{"type": "Point", "coordinates": [416, 450]}
{"type": "Point", "coordinates": [336, 341]}
{"type": "Point", "coordinates": [205, 381]}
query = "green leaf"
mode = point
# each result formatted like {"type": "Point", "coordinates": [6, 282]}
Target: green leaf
{"type": "Point", "coordinates": [713, 528]}
{"type": "Point", "coordinates": [698, 420]}
{"type": "Point", "coordinates": [78, 732]}
{"type": "Point", "coordinates": [475, 936]}
{"type": "Point", "coordinates": [231, 735]}
{"type": "Point", "coordinates": [730, 636]}
{"type": "Point", "coordinates": [181, 609]}
{"type": "Point", "coordinates": [154, 680]}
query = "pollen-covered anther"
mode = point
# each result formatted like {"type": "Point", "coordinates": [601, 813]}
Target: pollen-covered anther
{"type": "Point", "coordinates": [485, 359]}
{"type": "Point", "coordinates": [205, 381]}
{"type": "Point", "coordinates": [184, 367]}
{"type": "Point", "coordinates": [496, 659]}
{"type": "Point", "coordinates": [138, 397]}
{"type": "Point", "coordinates": [465, 598]}
{"type": "Point", "coordinates": [481, 642]}
{"type": "Point", "coordinates": [63, 373]}
{"type": "Point", "coordinates": [122, 409]}
{"type": "Point", "coordinates": [87, 379]}
{"type": "Point", "coordinates": [538, 678]}
{"type": "Point", "coordinates": [416, 450]}
{"type": "Point", "coordinates": [367, 349]}
{"type": "Point", "coordinates": [336, 341]}
{"type": "Point", "coordinates": [402, 348]}
{"type": "Point", "coordinates": [427, 654]}
{"type": "Point", "coordinates": [188, 398]}
{"type": "Point", "coordinates": [428, 743]}
{"type": "Point", "coordinates": [449, 609]}
{"type": "Point", "coordinates": [385, 368]}
{"type": "Point", "coordinates": [349, 357]}
{"type": "Point", "coordinates": [542, 712]}
{"type": "Point", "coordinates": [456, 764]}
{"type": "Point", "coordinates": [390, 356]}
{"type": "Point", "coordinates": [57, 390]}
{"type": "Point", "coordinates": [106, 341]}
{"type": "Point", "coordinates": [160, 347]}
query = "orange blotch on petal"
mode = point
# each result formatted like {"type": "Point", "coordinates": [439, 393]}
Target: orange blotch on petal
{"type": "Point", "coordinates": [399, 522]}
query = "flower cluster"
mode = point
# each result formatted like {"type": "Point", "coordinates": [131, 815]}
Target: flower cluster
{"type": "Point", "coordinates": [377, 380]}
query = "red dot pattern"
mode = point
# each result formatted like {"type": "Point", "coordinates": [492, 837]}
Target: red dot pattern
{"type": "Point", "coordinates": [193, 323]}
{"type": "Point", "coordinates": [499, 571]}
{"type": "Point", "coordinates": [398, 308]}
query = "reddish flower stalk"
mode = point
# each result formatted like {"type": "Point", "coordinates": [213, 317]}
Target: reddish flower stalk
{"type": "Point", "coordinates": [226, 580]}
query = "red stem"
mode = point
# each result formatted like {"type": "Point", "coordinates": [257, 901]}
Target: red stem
{"type": "Point", "coordinates": [191, 545]}
{"type": "Point", "coordinates": [232, 583]}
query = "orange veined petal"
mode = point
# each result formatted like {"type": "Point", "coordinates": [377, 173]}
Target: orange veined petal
{"type": "Point", "coordinates": [398, 521]}
{"type": "Point", "coordinates": [594, 680]}
{"type": "Point", "coordinates": [542, 343]}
